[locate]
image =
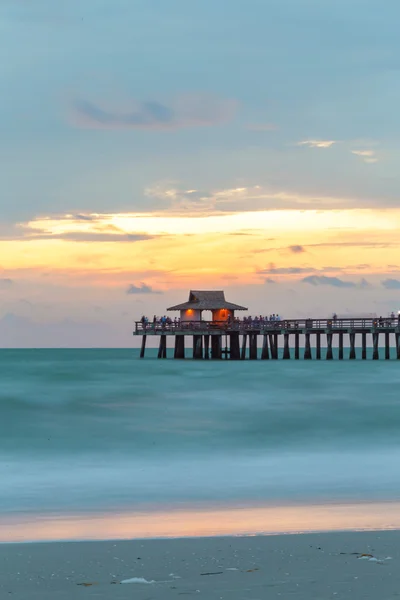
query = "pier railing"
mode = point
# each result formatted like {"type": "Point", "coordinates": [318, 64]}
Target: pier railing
{"type": "Point", "coordinates": [308, 324]}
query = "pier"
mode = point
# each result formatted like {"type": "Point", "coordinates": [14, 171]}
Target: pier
{"type": "Point", "coordinates": [234, 339]}
{"type": "Point", "coordinates": [217, 340]}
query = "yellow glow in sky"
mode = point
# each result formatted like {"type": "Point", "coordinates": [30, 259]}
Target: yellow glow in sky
{"type": "Point", "coordinates": [274, 221]}
{"type": "Point", "coordinates": [169, 251]}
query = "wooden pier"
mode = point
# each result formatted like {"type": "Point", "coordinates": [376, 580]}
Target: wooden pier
{"type": "Point", "coordinates": [238, 340]}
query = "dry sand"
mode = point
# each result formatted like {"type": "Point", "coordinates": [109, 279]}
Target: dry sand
{"type": "Point", "coordinates": [306, 567]}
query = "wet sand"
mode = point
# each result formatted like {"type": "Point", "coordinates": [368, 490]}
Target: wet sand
{"type": "Point", "coordinates": [306, 567]}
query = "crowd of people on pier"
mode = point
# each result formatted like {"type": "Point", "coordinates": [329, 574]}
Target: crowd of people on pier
{"type": "Point", "coordinates": [260, 320]}
{"type": "Point", "coordinates": [246, 322]}
{"type": "Point", "coordinates": [389, 321]}
{"type": "Point", "coordinates": [256, 322]}
{"type": "Point", "coordinates": [159, 321]}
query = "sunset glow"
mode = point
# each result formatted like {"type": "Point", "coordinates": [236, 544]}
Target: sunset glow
{"type": "Point", "coordinates": [244, 245]}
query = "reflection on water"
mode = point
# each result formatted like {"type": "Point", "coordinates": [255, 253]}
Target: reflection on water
{"type": "Point", "coordinates": [207, 522]}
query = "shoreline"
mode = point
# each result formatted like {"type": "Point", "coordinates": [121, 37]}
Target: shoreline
{"type": "Point", "coordinates": [177, 538]}
{"type": "Point", "coordinates": [358, 565]}
{"type": "Point", "coordinates": [201, 522]}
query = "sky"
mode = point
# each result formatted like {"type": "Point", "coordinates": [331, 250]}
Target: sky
{"type": "Point", "coordinates": [150, 148]}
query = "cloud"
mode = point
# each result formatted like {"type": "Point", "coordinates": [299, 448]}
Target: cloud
{"type": "Point", "coordinates": [391, 284]}
{"type": "Point", "coordinates": [254, 197]}
{"type": "Point", "coordinates": [82, 217]}
{"type": "Point", "coordinates": [185, 111]}
{"type": "Point", "coordinates": [296, 249]}
{"type": "Point", "coordinates": [5, 283]}
{"type": "Point", "coordinates": [182, 200]}
{"type": "Point", "coordinates": [171, 192]}
{"type": "Point", "coordinates": [273, 270]}
{"type": "Point", "coordinates": [324, 280]}
{"type": "Point", "coordinates": [357, 244]}
{"type": "Point", "coordinates": [336, 282]}
{"type": "Point", "coordinates": [364, 284]}
{"type": "Point", "coordinates": [284, 270]}
{"type": "Point", "coordinates": [368, 156]}
{"type": "Point", "coordinates": [269, 280]}
{"type": "Point", "coordinates": [79, 228]}
{"type": "Point", "coordinates": [317, 143]}
{"type": "Point", "coordinates": [142, 288]}
{"type": "Point", "coordinates": [93, 236]}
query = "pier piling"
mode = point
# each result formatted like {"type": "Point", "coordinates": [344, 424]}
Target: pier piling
{"type": "Point", "coordinates": [206, 347]}
{"type": "Point", "coordinates": [162, 348]}
{"type": "Point", "coordinates": [276, 346]}
{"type": "Point", "coordinates": [364, 346]}
{"type": "Point", "coordinates": [179, 346]}
{"type": "Point", "coordinates": [216, 347]}
{"type": "Point", "coordinates": [265, 351]}
{"type": "Point", "coordinates": [226, 350]}
{"type": "Point", "coordinates": [375, 340]}
{"type": "Point", "coordinates": [244, 343]}
{"type": "Point", "coordinates": [318, 352]}
{"type": "Point", "coordinates": [197, 347]}
{"type": "Point", "coordinates": [307, 347]}
{"type": "Point", "coordinates": [329, 354]}
{"type": "Point", "coordinates": [274, 349]}
{"type": "Point", "coordinates": [271, 345]}
{"type": "Point", "coordinates": [143, 347]}
{"type": "Point", "coordinates": [234, 346]}
{"type": "Point", "coordinates": [387, 345]}
{"type": "Point", "coordinates": [253, 346]}
{"type": "Point", "coordinates": [340, 345]}
{"type": "Point", "coordinates": [286, 349]}
{"type": "Point", "coordinates": [297, 346]}
{"type": "Point", "coordinates": [352, 337]}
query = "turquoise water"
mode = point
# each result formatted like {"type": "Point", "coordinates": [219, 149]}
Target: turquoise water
{"type": "Point", "coordinates": [101, 430]}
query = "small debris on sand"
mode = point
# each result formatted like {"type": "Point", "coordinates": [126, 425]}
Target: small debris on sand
{"type": "Point", "coordinates": [136, 580]}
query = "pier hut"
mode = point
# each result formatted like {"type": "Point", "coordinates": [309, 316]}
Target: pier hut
{"type": "Point", "coordinates": [225, 336]}
{"type": "Point", "coordinates": [191, 318]}
{"type": "Point", "coordinates": [214, 301]}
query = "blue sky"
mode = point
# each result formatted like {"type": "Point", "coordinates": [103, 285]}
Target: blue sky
{"type": "Point", "coordinates": [106, 106]}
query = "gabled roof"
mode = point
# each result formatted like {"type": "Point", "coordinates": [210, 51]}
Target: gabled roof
{"type": "Point", "coordinates": [206, 300]}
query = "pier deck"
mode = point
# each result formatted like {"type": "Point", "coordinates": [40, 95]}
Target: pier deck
{"type": "Point", "coordinates": [230, 340]}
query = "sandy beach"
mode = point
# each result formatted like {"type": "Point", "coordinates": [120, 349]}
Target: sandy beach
{"type": "Point", "coordinates": [350, 565]}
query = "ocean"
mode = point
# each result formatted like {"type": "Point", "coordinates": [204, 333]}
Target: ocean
{"type": "Point", "coordinates": [88, 435]}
